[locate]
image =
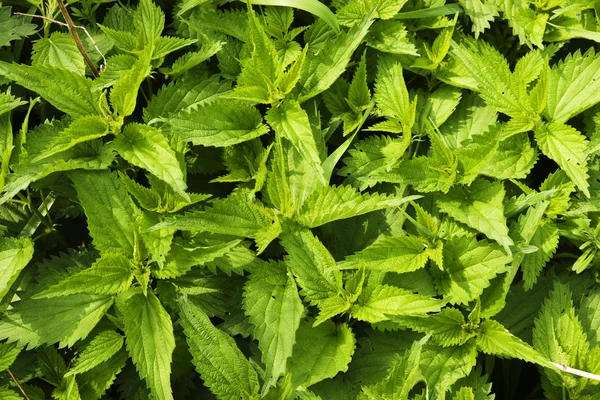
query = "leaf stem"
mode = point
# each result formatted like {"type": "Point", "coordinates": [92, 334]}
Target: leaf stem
{"type": "Point", "coordinates": [73, 30]}
{"type": "Point", "coordinates": [16, 381]}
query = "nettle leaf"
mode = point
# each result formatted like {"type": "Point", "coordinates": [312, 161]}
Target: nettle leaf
{"type": "Point", "coordinates": [123, 96]}
{"type": "Point", "coordinates": [322, 69]}
{"type": "Point", "coordinates": [442, 367]}
{"type": "Point", "coordinates": [146, 147]}
{"type": "Point", "coordinates": [479, 206]}
{"type": "Point", "coordinates": [480, 13]}
{"type": "Point", "coordinates": [15, 254]}
{"type": "Point", "coordinates": [273, 305]}
{"type": "Point", "coordinates": [149, 338]}
{"type": "Point", "coordinates": [497, 340]}
{"type": "Point", "coordinates": [391, 94]}
{"type": "Point", "coordinates": [221, 123]}
{"type": "Point", "coordinates": [469, 266]}
{"type": "Point", "coordinates": [100, 349]}
{"type": "Point", "coordinates": [448, 327]}
{"type": "Point", "coordinates": [67, 91]}
{"type": "Point", "coordinates": [221, 364]}
{"type": "Point", "coordinates": [111, 274]}
{"type": "Point", "coordinates": [63, 320]}
{"type": "Point", "coordinates": [567, 146]}
{"type": "Point", "coordinates": [13, 27]}
{"type": "Point", "coordinates": [111, 214]}
{"type": "Point", "coordinates": [320, 353]}
{"type": "Point", "coordinates": [59, 51]}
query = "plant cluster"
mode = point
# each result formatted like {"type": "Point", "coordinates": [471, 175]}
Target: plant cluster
{"type": "Point", "coordinates": [289, 199]}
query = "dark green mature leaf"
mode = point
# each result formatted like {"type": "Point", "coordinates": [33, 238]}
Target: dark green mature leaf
{"type": "Point", "coordinates": [14, 256]}
{"type": "Point", "coordinates": [13, 27]}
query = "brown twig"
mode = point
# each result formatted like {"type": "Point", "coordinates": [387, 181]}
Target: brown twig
{"type": "Point", "coordinates": [14, 378]}
{"type": "Point", "coordinates": [104, 62]}
{"type": "Point", "coordinates": [73, 30]}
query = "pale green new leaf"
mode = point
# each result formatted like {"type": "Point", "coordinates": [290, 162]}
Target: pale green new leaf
{"type": "Point", "coordinates": [64, 319]}
{"type": "Point", "coordinates": [320, 352]}
{"type": "Point", "coordinates": [567, 146]}
{"type": "Point", "coordinates": [573, 86]}
{"type": "Point", "coordinates": [149, 338]}
{"type": "Point", "coordinates": [514, 158]}
{"type": "Point", "coordinates": [322, 69]}
{"type": "Point", "coordinates": [391, 94]}
{"type": "Point", "coordinates": [545, 238]}
{"type": "Point", "coordinates": [495, 339]}
{"type": "Point", "coordinates": [291, 122]}
{"type": "Point", "coordinates": [100, 349]}
{"type": "Point", "coordinates": [398, 254]}
{"type": "Point", "coordinates": [146, 147]}
{"type": "Point", "coordinates": [168, 44]}
{"type": "Point", "coordinates": [448, 328]}
{"type": "Point", "coordinates": [111, 214]}
{"type": "Point", "coordinates": [331, 203]}
{"type": "Point", "coordinates": [479, 206]}
{"type": "Point", "coordinates": [382, 302]}
{"type": "Point", "coordinates": [67, 91]}
{"type": "Point", "coordinates": [391, 37]}
{"type": "Point", "coordinates": [221, 364]}
{"type": "Point", "coordinates": [8, 102]}
{"type": "Point", "coordinates": [80, 130]}
{"type": "Point", "coordinates": [219, 124]}
{"type": "Point", "coordinates": [272, 303]}
{"type": "Point", "coordinates": [468, 268]}
{"type": "Point", "coordinates": [480, 13]}
{"type": "Point", "coordinates": [58, 51]}
{"type": "Point", "coordinates": [149, 22]}
{"type": "Point", "coordinates": [192, 59]}
{"type": "Point", "coordinates": [15, 254]}
{"type": "Point", "coordinates": [123, 96]}
{"type": "Point", "coordinates": [110, 274]}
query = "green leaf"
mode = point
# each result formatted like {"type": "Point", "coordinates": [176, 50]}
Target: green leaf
{"type": "Point", "coordinates": [441, 367]}
{"type": "Point", "coordinates": [100, 349]}
{"type": "Point", "coordinates": [359, 95]}
{"type": "Point", "coordinates": [567, 146]}
{"type": "Point", "coordinates": [146, 147]}
{"type": "Point", "coordinates": [322, 69]}
{"type": "Point", "coordinates": [398, 254]}
{"type": "Point", "coordinates": [69, 92]}
{"type": "Point", "coordinates": [93, 383]}
{"type": "Point", "coordinates": [111, 214]}
{"type": "Point", "coordinates": [221, 123]}
{"type": "Point", "coordinates": [380, 303]}
{"type": "Point", "coordinates": [149, 338]}
{"type": "Point", "coordinates": [312, 6]}
{"type": "Point", "coordinates": [167, 44]}
{"type": "Point", "coordinates": [480, 13]}
{"type": "Point", "coordinates": [13, 27]}
{"type": "Point", "coordinates": [272, 303]}
{"type": "Point", "coordinates": [221, 364]}
{"type": "Point", "coordinates": [64, 319]}
{"type": "Point", "coordinates": [15, 254]}
{"type": "Point", "coordinates": [514, 158]}
{"type": "Point", "coordinates": [123, 96]}
{"type": "Point", "coordinates": [479, 206]}
{"type": "Point", "coordinates": [545, 238]}
{"type": "Point", "coordinates": [8, 354]}
{"type": "Point", "coordinates": [110, 274]}
{"type": "Point", "coordinates": [391, 37]}
{"type": "Point", "coordinates": [448, 328]}
{"type": "Point", "coordinates": [291, 122]}
{"type": "Point", "coordinates": [573, 86]}
{"type": "Point", "coordinates": [495, 339]}
{"type": "Point", "coordinates": [331, 203]}
{"type": "Point", "coordinates": [80, 130]}
{"type": "Point", "coordinates": [391, 94]}
{"type": "Point", "coordinates": [468, 268]}
{"type": "Point", "coordinates": [58, 51]}
{"type": "Point", "coordinates": [320, 353]}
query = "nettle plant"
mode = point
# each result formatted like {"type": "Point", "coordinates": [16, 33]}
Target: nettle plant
{"type": "Point", "coordinates": [365, 199]}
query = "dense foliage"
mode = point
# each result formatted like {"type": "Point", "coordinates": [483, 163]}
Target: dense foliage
{"type": "Point", "coordinates": [280, 199]}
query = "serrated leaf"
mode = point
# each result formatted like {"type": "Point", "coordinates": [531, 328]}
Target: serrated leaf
{"type": "Point", "coordinates": [514, 158]}
{"type": "Point", "coordinates": [391, 94]}
{"type": "Point", "coordinates": [192, 59]}
{"type": "Point", "coordinates": [446, 327]}
{"type": "Point", "coordinates": [221, 364]}
{"type": "Point", "coordinates": [495, 339]}
{"type": "Point", "coordinates": [545, 238]}
{"type": "Point", "coordinates": [321, 352]}
{"type": "Point", "coordinates": [111, 274]}
{"type": "Point", "coordinates": [67, 91]}
{"type": "Point", "coordinates": [15, 254]}
{"type": "Point", "coordinates": [146, 147]}
{"type": "Point", "coordinates": [398, 254]}
{"type": "Point", "coordinates": [480, 13]}
{"type": "Point", "coordinates": [58, 51]}
{"type": "Point", "coordinates": [110, 212]}
{"type": "Point", "coordinates": [468, 268]}
{"type": "Point", "coordinates": [13, 27]}
{"type": "Point", "coordinates": [167, 44]}
{"type": "Point", "coordinates": [100, 349]}
{"type": "Point", "coordinates": [567, 146]}
{"type": "Point", "coordinates": [272, 303]}
{"type": "Point", "coordinates": [64, 319]}
{"type": "Point", "coordinates": [123, 96]}
{"type": "Point", "coordinates": [219, 124]}
{"type": "Point", "coordinates": [391, 37]}
{"type": "Point", "coordinates": [93, 383]}
{"type": "Point", "coordinates": [8, 354]}
{"type": "Point", "coordinates": [322, 69]}
{"type": "Point", "coordinates": [80, 130]}
{"type": "Point", "coordinates": [149, 338]}
{"type": "Point", "coordinates": [441, 367]}
{"type": "Point", "coordinates": [479, 206]}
